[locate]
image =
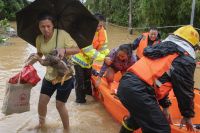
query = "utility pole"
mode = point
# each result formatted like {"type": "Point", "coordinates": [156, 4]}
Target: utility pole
{"type": "Point", "coordinates": [192, 13]}
{"type": "Point", "coordinates": [130, 17]}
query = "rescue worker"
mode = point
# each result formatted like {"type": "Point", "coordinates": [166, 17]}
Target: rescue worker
{"type": "Point", "coordinates": [146, 39]}
{"type": "Point", "coordinates": [84, 60]}
{"type": "Point", "coordinates": [100, 40]}
{"type": "Point", "coordinates": [171, 64]}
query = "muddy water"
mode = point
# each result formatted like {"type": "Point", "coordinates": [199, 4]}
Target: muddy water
{"type": "Point", "coordinates": [88, 118]}
{"type": "Point", "coordinates": [197, 77]}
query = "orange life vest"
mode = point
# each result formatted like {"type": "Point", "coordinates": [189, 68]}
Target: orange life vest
{"type": "Point", "coordinates": [143, 44]}
{"type": "Point", "coordinates": [149, 70]}
{"type": "Point", "coordinates": [99, 39]}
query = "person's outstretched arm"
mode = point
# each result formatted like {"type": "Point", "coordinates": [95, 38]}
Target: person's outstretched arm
{"type": "Point", "coordinates": [183, 86]}
{"type": "Point", "coordinates": [136, 42]}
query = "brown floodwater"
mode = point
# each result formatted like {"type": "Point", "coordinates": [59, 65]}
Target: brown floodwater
{"type": "Point", "coordinates": [88, 118]}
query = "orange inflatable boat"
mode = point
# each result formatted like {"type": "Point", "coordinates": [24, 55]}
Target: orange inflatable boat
{"type": "Point", "coordinates": [106, 95]}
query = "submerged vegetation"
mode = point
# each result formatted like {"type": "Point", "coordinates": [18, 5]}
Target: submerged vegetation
{"type": "Point", "coordinates": [3, 25]}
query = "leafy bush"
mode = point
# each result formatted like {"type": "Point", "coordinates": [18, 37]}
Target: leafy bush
{"type": "Point", "coordinates": [8, 8]}
{"type": "Point", "coordinates": [3, 25]}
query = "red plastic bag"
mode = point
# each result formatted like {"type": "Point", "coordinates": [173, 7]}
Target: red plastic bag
{"type": "Point", "coordinates": [27, 75]}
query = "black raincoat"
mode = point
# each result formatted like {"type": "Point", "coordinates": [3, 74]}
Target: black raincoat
{"type": "Point", "coordinates": [139, 98]}
{"type": "Point", "coordinates": [181, 77]}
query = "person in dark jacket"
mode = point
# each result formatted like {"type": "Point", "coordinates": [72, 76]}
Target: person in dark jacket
{"type": "Point", "coordinates": [146, 39]}
{"type": "Point", "coordinates": [172, 61]}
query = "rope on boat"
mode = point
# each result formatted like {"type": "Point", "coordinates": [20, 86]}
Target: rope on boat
{"type": "Point", "coordinates": [197, 126]}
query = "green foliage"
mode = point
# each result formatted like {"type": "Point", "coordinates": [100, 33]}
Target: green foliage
{"type": "Point", "coordinates": [3, 25]}
{"type": "Point", "coordinates": [8, 8]}
{"type": "Point", "coordinates": [1, 39]}
{"type": "Point", "coordinates": [1, 5]}
{"type": "Point", "coordinates": [112, 9]}
{"type": "Point", "coordinates": [147, 13]}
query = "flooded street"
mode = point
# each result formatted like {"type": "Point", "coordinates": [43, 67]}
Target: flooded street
{"type": "Point", "coordinates": [88, 118]}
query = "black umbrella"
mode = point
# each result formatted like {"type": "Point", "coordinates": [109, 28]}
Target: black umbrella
{"type": "Point", "coordinates": [71, 15]}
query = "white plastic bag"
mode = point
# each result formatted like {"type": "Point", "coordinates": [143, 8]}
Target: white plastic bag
{"type": "Point", "coordinates": [16, 98]}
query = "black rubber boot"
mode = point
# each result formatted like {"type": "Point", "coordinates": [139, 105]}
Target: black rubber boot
{"type": "Point", "coordinates": [80, 101]}
{"type": "Point", "coordinates": [79, 84]}
{"type": "Point", "coordinates": [88, 87]}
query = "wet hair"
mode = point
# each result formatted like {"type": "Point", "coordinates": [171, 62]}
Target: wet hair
{"type": "Point", "coordinates": [45, 15]}
{"type": "Point", "coordinates": [126, 48]}
{"type": "Point", "coordinates": [99, 17]}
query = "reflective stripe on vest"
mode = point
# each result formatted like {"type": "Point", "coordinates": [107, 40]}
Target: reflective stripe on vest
{"type": "Point", "coordinates": [103, 48]}
{"type": "Point", "coordinates": [86, 60]}
{"type": "Point", "coordinates": [163, 90]}
{"type": "Point", "coordinates": [80, 62]}
{"type": "Point", "coordinates": [87, 49]}
{"type": "Point", "coordinates": [158, 83]}
{"type": "Point", "coordinates": [143, 44]}
{"type": "Point", "coordinates": [95, 55]}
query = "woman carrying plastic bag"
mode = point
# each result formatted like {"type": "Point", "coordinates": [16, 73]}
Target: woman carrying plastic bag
{"type": "Point", "coordinates": [18, 90]}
